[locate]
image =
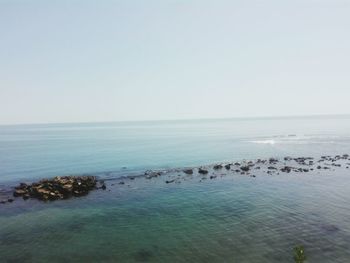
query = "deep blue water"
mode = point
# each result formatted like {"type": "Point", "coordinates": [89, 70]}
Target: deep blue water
{"type": "Point", "coordinates": [36, 151]}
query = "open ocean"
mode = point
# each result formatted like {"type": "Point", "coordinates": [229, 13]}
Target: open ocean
{"type": "Point", "coordinates": [230, 219]}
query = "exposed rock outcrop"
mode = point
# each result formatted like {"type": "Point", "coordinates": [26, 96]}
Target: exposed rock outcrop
{"type": "Point", "coordinates": [57, 188]}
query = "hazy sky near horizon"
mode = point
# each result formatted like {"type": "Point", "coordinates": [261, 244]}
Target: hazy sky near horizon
{"type": "Point", "coordinates": [77, 61]}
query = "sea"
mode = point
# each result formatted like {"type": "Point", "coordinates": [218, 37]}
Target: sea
{"type": "Point", "coordinates": [229, 219]}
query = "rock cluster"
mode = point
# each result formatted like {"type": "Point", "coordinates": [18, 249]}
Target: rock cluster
{"type": "Point", "coordinates": [152, 174]}
{"type": "Point", "coordinates": [57, 188]}
{"type": "Point", "coordinates": [68, 186]}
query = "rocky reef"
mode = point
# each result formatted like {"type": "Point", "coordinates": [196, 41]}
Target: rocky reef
{"type": "Point", "coordinates": [57, 188]}
{"type": "Point", "coordinates": [73, 186]}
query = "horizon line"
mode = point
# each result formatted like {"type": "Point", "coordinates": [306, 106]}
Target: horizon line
{"type": "Point", "coordinates": [189, 119]}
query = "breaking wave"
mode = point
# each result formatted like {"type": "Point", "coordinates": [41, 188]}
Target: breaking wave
{"type": "Point", "coordinates": [294, 139]}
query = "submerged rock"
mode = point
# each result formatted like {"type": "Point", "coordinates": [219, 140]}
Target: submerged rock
{"type": "Point", "coordinates": [152, 174]}
{"type": "Point", "coordinates": [330, 228]}
{"type": "Point", "coordinates": [143, 255]}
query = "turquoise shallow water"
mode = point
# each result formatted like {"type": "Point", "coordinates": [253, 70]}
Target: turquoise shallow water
{"type": "Point", "coordinates": [230, 219]}
{"type": "Point", "coordinates": [233, 218]}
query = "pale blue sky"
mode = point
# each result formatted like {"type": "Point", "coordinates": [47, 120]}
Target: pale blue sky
{"type": "Point", "coordinates": [77, 61]}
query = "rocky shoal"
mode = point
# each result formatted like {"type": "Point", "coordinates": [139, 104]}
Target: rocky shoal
{"type": "Point", "coordinates": [250, 167]}
{"type": "Point", "coordinates": [74, 186]}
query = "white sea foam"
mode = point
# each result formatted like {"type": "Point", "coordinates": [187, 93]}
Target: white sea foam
{"type": "Point", "coordinates": [294, 139]}
{"type": "Point", "coordinates": [265, 142]}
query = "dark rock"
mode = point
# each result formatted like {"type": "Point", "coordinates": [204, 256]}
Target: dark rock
{"type": "Point", "coordinates": [170, 181]}
{"type": "Point", "coordinates": [103, 187]}
{"type": "Point", "coordinates": [56, 188]}
{"type": "Point", "coordinates": [245, 168]}
{"type": "Point", "coordinates": [188, 171]}
{"type": "Point", "coordinates": [151, 174]}
{"type": "Point", "coordinates": [10, 200]}
{"type": "Point", "coordinates": [273, 161]}
{"type": "Point", "coordinates": [121, 183]}
{"type": "Point", "coordinates": [228, 166]}
{"type": "Point", "coordinates": [217, 166]}
{"type": "Point", "coordinates": [19, 192]}
{"type": "Point", "coordinates": [271, 168]}
{"type": "Point", "coordinates": [212, 176]}
{"type": "Point", "coordinates": [202, 171]}
{"type": "Point", "coordinates": [286, 169]}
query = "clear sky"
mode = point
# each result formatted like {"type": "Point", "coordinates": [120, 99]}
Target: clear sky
{"type": "Point", "coordinates": [78, 61]}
